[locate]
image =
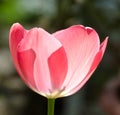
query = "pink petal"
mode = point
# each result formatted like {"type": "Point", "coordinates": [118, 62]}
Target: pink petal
{"type": "Point", "coordinates": [94, 65]}
{"type": "Point", "coordinates": [81, 45]}
{"type": "Point", "coordinates": [16, 35]}
{"type": "Point", "coordinates": [26, 63]}
{"type": "Point", "coordinates": [58, 68]}
{"type": "Point", "coordinates": [45, 47]}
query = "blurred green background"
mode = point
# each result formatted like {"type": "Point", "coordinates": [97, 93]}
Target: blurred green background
{"type": "Point", "coordinates": [52, 15]}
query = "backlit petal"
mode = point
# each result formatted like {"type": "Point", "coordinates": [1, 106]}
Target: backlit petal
{"type": "Point", "coordinates": [81, 45]}
{"type": "Point", "coordinates": [17, 33]}
{"type": "Point", "coordinates": [44, 45]}
{"type": "Point", "coordinates": [94, 65]}
{"type": "Point", "coordinates": [26, 63]}
{"type": "Point", "coordinates": [58, 68]}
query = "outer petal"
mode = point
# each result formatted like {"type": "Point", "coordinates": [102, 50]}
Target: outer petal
{"type": "Point", "coordinates": [81, 45]}
{"type": "Point", "coordinates": [48, 52]}
{"type": "Point", "coordinates": [94, 65]}
{"type": "Point", "coordinates": [17, 33]}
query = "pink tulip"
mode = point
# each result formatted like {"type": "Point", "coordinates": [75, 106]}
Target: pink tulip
{"type": "Point", "coordinates": [59, 64]}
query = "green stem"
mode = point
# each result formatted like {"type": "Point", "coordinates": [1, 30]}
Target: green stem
{"type": "Point", "coordinates": [51, 105]}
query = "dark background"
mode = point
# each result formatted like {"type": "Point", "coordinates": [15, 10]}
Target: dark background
{"type": "Point", "coordinates": [52, 15]}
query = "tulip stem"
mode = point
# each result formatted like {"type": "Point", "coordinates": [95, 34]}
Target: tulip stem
{"type": "Point", "coordinates": [51, 105]}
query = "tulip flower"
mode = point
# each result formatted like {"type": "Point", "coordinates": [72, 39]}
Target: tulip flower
{"type": "Point", "coordinates": [59, 64]}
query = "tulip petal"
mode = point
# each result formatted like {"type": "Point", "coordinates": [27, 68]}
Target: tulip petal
{"type": "Point", "coordinates": [26, 63]}
{"type": "Point", "coordinates": [81, 45]}
{"type": "Point", "coordinates": [17, 33]}
{"type": "Point", "coordinates": [58, 67]}
{"type": "Point", "coordinates": [94, 65]}
{"type": "Point", "coordinates": [44, 46]}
